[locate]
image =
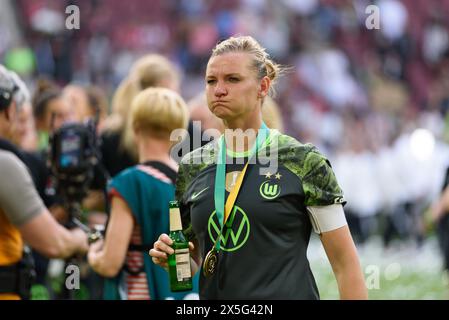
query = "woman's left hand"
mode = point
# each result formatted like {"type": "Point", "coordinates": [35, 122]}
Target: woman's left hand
{"type": "Point", "coordinates": [94, 249]}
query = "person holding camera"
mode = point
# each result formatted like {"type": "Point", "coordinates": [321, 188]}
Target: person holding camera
{"type": "Point", "coordinates": [139, 202]}
{"type": "Point", "coordinates": [23, 216]}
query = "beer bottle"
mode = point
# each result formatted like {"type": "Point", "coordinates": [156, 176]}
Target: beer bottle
{"type": "Point", "coordinates": [179, 269]}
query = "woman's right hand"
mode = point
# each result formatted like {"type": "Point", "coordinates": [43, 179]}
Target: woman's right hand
{"type": "Point", "coordinates": [162, 249]}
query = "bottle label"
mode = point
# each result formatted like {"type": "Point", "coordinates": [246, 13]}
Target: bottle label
{"type": "Point", "coordinates": [175, 219]}
{"type": "Point", "coordinates": [183, 264]}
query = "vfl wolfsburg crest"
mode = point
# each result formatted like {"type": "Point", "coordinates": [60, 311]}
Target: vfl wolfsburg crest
{"type": "Point", "coordinates": [235, 231]}
{"type": "Point", "coordinates": [270, 190]}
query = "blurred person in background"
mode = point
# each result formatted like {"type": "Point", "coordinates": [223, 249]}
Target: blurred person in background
{"type": "Point", "coordinates": [272, 115]}
{"type": "Point", "coordinates": [51, 110]}
{"type": "Point", "coordinates": [76, 97]}
{"type": "Point", "coordinates": [87, 102]}
{"type": "Point", "coordinates": [140, 197]}
{"type": "Point", "coordinates": [440, 217]}
{"type": "Point", "coordinates": [90, 104]}
{"type": "Point", "coordinates": [118, 146]}
{"type": "Point", "coordinates": [98, 105]}
{"type": "Point", "coordinates": [25, 135]}
{"type": "Point", "coordinates": [97, 108]}
{"type": "Point", "coordinates": [118, 149]}
{"type": "Point", "coordinates": [23, 216]}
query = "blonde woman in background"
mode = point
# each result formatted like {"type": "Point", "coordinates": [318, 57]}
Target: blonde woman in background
{"type": "Point", "coordinates": [140, 197]}
{"type": "Point", "coordinates": [119, 148]}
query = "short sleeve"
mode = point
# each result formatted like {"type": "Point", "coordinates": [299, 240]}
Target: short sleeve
{"type": "Point", "coordinates": [319, 182]}
{"type": "Point", "coordinates": [123, 185]}
{"type": "Point", "coordinates": [18, 196]}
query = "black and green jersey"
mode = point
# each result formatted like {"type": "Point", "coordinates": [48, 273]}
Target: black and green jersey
{"type": "Point", "coordinates": [264, 242]}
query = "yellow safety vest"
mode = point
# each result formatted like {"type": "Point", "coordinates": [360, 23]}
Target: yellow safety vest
{"type": "Point", "coordinates": [11, 247]}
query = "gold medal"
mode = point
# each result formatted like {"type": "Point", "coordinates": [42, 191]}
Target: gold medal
{"type": "Point", "coordinates": [210, 263]}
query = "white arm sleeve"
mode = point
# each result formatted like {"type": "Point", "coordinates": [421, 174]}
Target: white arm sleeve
{"type": "Point", "coordinates": [327, 218]}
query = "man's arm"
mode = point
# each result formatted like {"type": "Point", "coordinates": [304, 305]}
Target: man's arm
{"type": "Point", "coordinates": [48, 237]}
{"type": "Point", "coordinates": [24, 208]}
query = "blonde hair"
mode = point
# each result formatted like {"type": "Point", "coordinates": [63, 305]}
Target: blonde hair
{"type": "Point", "coordinates": [152, 70]}
{"type": "Point", "coordinates": [149, 71]}
{"type": "Point", "coordinates": [157, 112]}
{"type": "Point", "coordinates": [261, 61]}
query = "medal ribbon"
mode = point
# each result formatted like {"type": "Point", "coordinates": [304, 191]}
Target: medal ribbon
{"type": "Point", "coordinates": [220, 181]}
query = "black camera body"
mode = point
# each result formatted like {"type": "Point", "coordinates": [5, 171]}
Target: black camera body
{"type": "Point", "coordinates": [73, 154]}
{"type": "Point", "coordinates": [72, 158]}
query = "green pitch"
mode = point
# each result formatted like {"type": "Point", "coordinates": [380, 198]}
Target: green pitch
{"type": "Point", "coordinates": [402, 272]}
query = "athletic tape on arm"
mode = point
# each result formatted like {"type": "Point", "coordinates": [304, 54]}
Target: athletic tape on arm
{"type": "Point", "coordinates": [327, 218]}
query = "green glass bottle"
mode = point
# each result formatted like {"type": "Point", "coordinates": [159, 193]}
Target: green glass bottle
{"type": "Point", "coordinates": [178, 263]}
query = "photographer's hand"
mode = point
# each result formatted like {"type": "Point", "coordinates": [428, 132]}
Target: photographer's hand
{"type": "Point", "coordinates": [81, 239]}
{"type": "Point", "coordinates": [94, 253]}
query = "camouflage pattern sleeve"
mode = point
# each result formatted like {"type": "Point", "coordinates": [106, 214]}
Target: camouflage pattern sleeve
{"type": "Point", "coordinates": [181, 183]}
{"type": "Point", "coordinates": [189, 168]}
{"type": "Point", "coordinates": [181, 188]}
{"type": "Point", "coordinates": [318, 180]}
{"type": "Point", "coordinates": [319, 183]}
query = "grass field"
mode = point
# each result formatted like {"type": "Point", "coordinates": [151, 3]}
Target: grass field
{"type": "Point", "coordinates": [402, 272]}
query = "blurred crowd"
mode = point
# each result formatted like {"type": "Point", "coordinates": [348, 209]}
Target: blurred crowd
{"type": "Point", "coordinates": [375, 101]}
